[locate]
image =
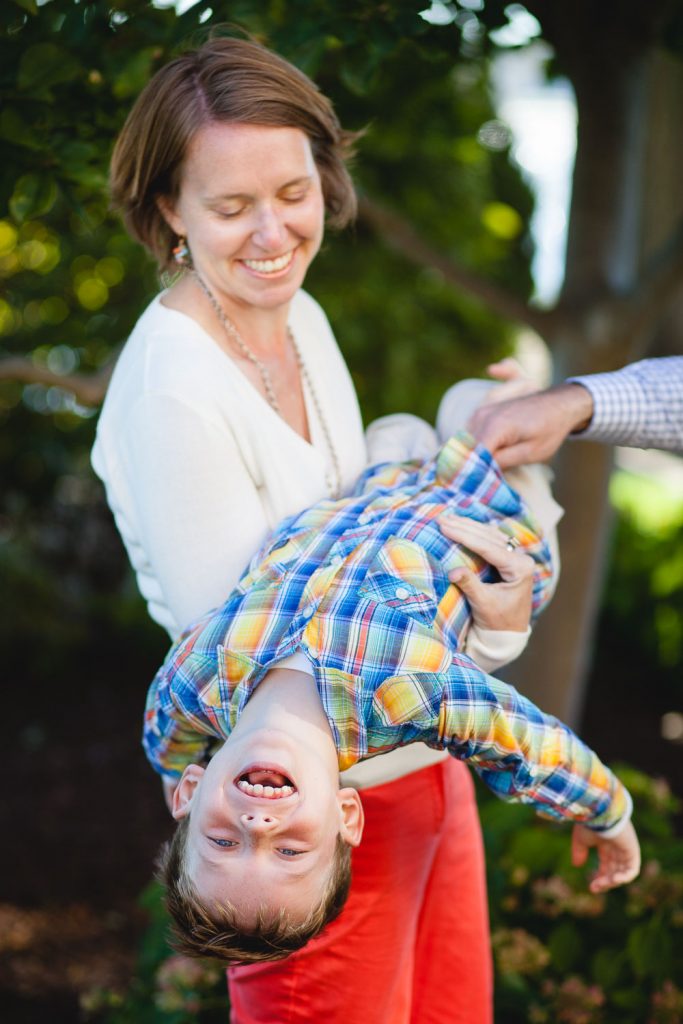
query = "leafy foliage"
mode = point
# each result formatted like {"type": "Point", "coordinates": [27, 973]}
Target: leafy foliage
{"type": "Point", "coordinates": [563, 954]}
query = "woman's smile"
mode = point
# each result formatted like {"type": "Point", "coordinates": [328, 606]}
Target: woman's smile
{"type": "Point", "coordinates": [271, 267]}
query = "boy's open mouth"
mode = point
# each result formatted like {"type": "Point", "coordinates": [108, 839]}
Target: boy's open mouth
{"type": "Point", "coordinates": [265, 782]}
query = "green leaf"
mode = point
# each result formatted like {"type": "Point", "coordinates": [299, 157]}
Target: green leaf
{"type": "Point", "coordinates": [649, 949]}
{"type": "Point", "coordinates": [565, 945]}
{"type": "Point", "coordinates": [14, 128]}
{"type": "Point", "coordinates": [43, 66]}
{"type": "Point", "coordinates": [34, 195]}
{"type": "Point", "coordinates": [608, 967]}
{"type": "Point", "coordinates": [134, 74]}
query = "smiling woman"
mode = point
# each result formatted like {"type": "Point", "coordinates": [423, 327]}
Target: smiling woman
{"type": "Point", "coordinates": [231, 408]}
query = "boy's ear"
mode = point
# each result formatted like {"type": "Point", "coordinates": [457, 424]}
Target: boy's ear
{"type": "Point", "coordinates": [353, 815]}
{"type": "Point", "coordinates": [185, 790]}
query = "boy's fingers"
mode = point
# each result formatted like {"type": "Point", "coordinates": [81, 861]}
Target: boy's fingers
{"type": "Point", "coordinates": [579, 849]}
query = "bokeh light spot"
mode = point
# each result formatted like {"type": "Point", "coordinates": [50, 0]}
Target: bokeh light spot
{"type": "Point", "coordinates": [110, 270]}
{"type": "Point", "coordinates": [8, 237]}
{"type": "Point", "coordinates": [54, 310]}
{"type": "Point", "coordinates": [91, 292]}
{"type": "Point", "coordinates": [62, 359]}
{"type": "Point", "coordinates": [502, 220]}
{"type": "Point", "coordinates": [10, 319]}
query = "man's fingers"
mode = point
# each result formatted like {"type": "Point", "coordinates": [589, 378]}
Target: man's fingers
{"type": "Point", "coordinates": [510, 455]}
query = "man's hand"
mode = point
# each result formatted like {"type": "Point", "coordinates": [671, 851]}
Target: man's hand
{"type": "Point", "coordinates": [531, 429]}
{"type": "Point", "coordinates": [618, 858]}
{"type": "Point", "coordinates": [505, 605]}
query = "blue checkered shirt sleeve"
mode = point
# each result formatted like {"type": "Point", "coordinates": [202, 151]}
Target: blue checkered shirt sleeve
{"type": "Point", "coordinates": [640, 406]}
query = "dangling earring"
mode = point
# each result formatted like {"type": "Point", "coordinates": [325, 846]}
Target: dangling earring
{"type": "Point", "coordinates": [181, 253]}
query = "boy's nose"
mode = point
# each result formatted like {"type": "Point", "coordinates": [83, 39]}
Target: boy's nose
{"type": "Point", "coordinates": [258, 822]}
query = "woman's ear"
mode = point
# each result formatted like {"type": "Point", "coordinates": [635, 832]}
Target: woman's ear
{"type": "Point", "coordinates": [185, 790]}
{"type": "Point", "coordinates": [353, 815]}
{"type": "Point", "coordinates": [167, 210]}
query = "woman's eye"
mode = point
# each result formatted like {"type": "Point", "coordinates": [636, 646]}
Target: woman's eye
{"type": "Point", "coordinates": [295, 197]}
{"type": "Point", "coordinates": [290, 853]}
{"type": "Point", "coordinates": [223, 842]}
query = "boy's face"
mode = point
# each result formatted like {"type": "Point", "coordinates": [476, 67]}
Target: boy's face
{"type": "Point", "coordinates": [265, 815]}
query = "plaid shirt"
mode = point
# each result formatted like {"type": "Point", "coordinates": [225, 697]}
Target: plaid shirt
{"type": "Point", "coordinates": [361, 586]}
{"type": "Point", "coordinates": [640, 406]}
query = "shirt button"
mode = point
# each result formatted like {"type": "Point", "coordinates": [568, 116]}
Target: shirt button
{"type": "Point", "coordinates": [336, 560]}
{"type": "Point", "coordinates": [402, 593]}
{"type": "Point", "coordinates": [308, 611]}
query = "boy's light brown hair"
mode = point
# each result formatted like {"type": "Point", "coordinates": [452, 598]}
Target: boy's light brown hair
{"type": "Point", "coordinates": [232, 81]}
{"type": "Point", "coordinates": [205, 931]}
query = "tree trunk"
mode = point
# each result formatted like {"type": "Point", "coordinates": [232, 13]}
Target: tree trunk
{"type": "Point", "coordinates": [604, 257]}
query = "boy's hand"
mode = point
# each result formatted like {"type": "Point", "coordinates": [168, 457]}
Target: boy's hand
{"type": "Point", "coordinates": [618, 858]}
{"type": "Point", "coordinates": [505, 605]}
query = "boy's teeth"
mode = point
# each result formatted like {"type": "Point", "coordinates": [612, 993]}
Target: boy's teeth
{"type": "Point", "coordinates": [273, 792]}
{"type": "Point", "coordinates": [269, 266]}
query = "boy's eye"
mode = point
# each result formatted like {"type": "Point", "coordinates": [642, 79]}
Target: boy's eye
{"type": "Point", "coordinates": [223, 842]}
{"type": "Point", "coordinates": [289, 853]}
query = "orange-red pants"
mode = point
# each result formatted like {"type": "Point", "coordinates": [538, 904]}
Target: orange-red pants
{"type": "Point", "coordinates": [412, 943]}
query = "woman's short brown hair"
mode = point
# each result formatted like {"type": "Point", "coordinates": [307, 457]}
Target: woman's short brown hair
{"type": "Point", "coordinates": [225, 80]}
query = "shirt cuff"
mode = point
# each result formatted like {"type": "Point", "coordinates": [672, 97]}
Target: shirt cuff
{"type": "Point", "coordinates": [491, 648]}
{"type": "Point", "coordinates": [613, 830]}
{"type": "Point", "coordinates": [617, 406]}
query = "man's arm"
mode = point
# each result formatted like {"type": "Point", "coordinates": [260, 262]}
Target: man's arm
{"type": "Point", "coordinates": [640, 405]}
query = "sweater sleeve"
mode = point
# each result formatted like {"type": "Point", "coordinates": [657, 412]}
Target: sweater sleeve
{"type": "Point", "coordinates": [195, 508]}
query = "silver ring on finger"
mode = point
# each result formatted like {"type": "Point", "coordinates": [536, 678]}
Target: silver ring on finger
{"type": "Point", "coordinates": [512, 544]}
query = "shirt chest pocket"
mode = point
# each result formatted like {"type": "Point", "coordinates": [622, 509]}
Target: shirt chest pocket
{"type": "Point", "coordinates": [403, 576]}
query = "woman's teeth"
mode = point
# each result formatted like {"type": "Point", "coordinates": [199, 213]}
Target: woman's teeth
{"type": "Point", "coordinates": [270, 266]}
{"type": "Point", "coordinates": [273, 792]}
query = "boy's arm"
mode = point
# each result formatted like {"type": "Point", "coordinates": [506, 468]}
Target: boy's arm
{"type": "Point", "coordinates": [524, 755]}
{"type": "Point", "coordinates": [520, 753]}
{"type": "Point", "coordinates": [174, 733]}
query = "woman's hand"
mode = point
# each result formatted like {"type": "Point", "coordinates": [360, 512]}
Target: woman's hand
{"type": "Point", "coordinates": [500, 606]}
{"type": "Point", "coordinates": [515, 382]}
{"type": "Point", "coordinates": [618, 858]}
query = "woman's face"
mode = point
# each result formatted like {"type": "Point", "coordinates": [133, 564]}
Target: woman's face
{"type": "Point", "coordinates": [252, 210]}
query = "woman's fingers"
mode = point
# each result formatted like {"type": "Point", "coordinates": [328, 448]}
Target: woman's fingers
{"type": "Point", "coordinates": [500, 606]}
{"type": "Point", "coordinates": [489, 543]}
{"type": "Point", "coordinates": [515, 383]}
{"type": "Point", "coordinates": [505, 369]}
